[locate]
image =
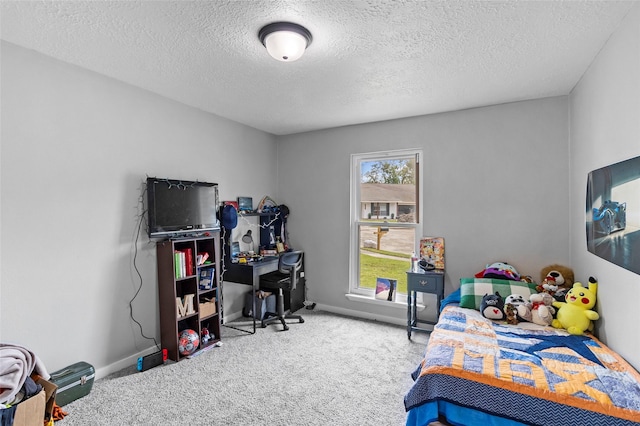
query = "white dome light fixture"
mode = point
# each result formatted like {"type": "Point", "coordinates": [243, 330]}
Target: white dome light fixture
{"type": "Point", "coordinates": [285, 41]}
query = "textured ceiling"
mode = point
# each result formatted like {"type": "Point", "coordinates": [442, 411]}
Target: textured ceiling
{"type": "Point", "coordinates": [370, 60]}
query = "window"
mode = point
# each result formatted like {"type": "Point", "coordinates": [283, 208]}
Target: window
{"type": "Point", "coordinates": [385, 217]}
{"type": "Point", "coordinates": [379, 209]}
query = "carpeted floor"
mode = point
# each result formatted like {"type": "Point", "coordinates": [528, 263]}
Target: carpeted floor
{"type": "Point", "coordinates": [330, 370]}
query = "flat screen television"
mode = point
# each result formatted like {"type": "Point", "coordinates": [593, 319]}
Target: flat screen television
{"type": "Point", "coordinates": [181, 208]}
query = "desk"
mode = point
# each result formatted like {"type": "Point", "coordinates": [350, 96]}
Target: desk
{"type": "Point", "coordinates": [249, 273]}
{"type": "Point", "coordinates": [424, 282]}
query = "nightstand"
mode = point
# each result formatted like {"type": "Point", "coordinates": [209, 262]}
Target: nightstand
{"type": "Point", "coordinates": [423, 282]}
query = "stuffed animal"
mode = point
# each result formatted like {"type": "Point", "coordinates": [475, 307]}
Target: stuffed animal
{"type": "Point", "coordinates": [575, 314]}
{"type": "Point", "coordinates": [516, 300]}
{"type": "Point", "coordinates": [555, 280]}
{"type": "Point", "coordinates": [492, 306]}
{"type": "Point", "coordinates": [539, 309]}
{"type": "Point", "coordinates": [510, 312]}
{"type": "Point", "coordinates": [500, 270]}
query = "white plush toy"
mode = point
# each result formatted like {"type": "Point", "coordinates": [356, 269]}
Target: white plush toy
{"type": "Point", "coordinates": [538, 310]}
{"type": "Point", "coordinates": [515, 299]}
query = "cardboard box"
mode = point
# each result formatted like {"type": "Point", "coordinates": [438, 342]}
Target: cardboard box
{"type": "Point", "coordinates": [207, 308]}
{"type": "Point", "coordinates": [34, 410]}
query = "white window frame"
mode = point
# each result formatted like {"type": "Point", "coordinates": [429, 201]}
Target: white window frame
{"type": "Point", "coordinates": [355, 210]}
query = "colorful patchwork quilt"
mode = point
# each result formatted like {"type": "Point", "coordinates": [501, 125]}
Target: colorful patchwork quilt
{"type": "Point", "coordinates": [523, 374]}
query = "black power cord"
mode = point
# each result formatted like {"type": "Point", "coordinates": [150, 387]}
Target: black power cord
{"type": "Point", "coordinates": [135, 267]}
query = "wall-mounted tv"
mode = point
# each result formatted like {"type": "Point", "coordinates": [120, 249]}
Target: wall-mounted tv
{"type": "Point", "coordinates": [180, 207]}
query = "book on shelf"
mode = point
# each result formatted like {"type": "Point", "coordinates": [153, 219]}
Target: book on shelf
{"type": "Point", "coordinates": [386, 289]}
{"type": "Point", "coordinates": [432, 250]}
{"type": "Point", "coordinates": [183, 272]}
{"type": "Point", "coordinates": [183, 260]}
{"type": "Point", "coordinates": [188, 261]}
{"type": "Point", "coordinates": [207, 277]}
{"type": "Point", "coordinates": [176, 264]}
{"type": "Point", "coordinates": [180, 261]}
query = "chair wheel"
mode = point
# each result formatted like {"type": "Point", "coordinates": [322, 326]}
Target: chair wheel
{"type": "Point", "coordinates": [286, 327]}
{"type": "Point", "coordinates": [301, 320]}
{"type": "Point", "coordinates": [263, 325]}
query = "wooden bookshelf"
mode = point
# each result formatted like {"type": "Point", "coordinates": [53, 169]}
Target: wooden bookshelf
{"type": "Point", "coordinates": [186, 290]}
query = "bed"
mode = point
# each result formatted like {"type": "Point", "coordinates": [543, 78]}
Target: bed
{"type": "Point", "coordinates": [478, 371]}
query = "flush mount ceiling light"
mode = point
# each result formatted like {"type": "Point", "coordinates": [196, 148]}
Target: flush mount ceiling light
{"type": "Point", "coordinates": [285, 41]}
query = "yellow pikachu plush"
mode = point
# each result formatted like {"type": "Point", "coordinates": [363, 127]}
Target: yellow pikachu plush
{"type": "Point", "coordinates": [575, 314]}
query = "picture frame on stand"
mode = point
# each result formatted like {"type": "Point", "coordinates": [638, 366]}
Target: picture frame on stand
{"type": "Point", "coordinates": [386, 289]}
{"type": "Point", "coordinates": [432, 250]}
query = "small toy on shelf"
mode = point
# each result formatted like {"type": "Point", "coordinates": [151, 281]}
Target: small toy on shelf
{"type": "Point", "coordinates": [575, 314]}
{"type": "Point", "coordinates": [205, 336]}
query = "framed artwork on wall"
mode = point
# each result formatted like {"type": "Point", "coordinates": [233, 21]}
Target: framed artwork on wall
{"type": "Point", "coordinates": [245, 204]}
{"type": "Point", "coordinates": [613, 213]}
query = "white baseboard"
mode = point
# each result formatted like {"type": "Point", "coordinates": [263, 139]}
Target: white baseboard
{"type": "Point", "coordinates": [361, 314]}
{"type": "Point", "coordinates": [123, 363]}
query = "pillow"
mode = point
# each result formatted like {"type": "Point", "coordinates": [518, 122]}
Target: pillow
{"type": "Point", "coordinates": [473, 289]}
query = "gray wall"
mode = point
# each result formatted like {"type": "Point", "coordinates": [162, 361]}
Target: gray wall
{"type": "Point", "coordinates": [495, 187]}
{"type": "Point", "coordinates": [605, 129]}
{"type": "Point", "coordinates": [505, 182]}
{"type": "Point", "coordinates": [76, 148]}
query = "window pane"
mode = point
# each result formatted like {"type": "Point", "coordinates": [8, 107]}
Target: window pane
{"type": "Point", "coordinates": [388, 189]}
{"type": "Point", "coordinates": [385, 254]}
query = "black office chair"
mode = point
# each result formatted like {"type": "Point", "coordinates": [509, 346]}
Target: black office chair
{"type": "Point", "coordinates": [285, 278]}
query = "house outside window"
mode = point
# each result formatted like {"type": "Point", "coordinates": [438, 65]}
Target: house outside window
{"type": "Point", "coordinates": [385, 225]}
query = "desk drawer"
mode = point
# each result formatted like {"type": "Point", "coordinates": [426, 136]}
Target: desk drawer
{"type": "Point", "coordinates": [424, 283]}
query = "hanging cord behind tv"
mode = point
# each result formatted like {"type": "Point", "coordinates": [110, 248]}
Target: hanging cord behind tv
{"type": "Point", "coordinates": [135, 267]}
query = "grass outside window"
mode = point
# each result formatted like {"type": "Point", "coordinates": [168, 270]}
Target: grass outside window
{"type": "Point", "coordinates": [373, 267]}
